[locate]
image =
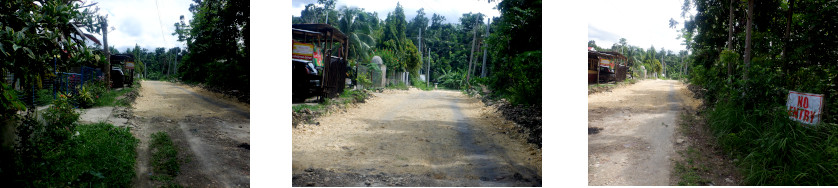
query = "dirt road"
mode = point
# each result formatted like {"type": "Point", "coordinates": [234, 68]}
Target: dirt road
{"type": "Point", "coordinates": [630, 133]}
{"type": "Point", "coordinates": [211, 131]}
{"type": "Point", "coordinates": [413, 138]}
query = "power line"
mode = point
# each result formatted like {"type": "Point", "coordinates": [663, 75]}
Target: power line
{"type": "Point", "coordinates": [160, 21]}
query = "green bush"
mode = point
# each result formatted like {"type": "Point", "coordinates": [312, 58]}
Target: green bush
{"type": "Point", "coordinates": [43, 97]}
{"type": "Point", "coordinates": [84, 98]}
{"type": "Point", "coordinates": [99, 155]}
{"type": "Point", "coordinates": [454, 79]}
{"type": "Point", "coordinates": [60, 120]}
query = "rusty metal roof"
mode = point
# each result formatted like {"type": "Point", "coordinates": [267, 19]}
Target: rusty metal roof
{"type": "Point", "coordinates": [607, 55]}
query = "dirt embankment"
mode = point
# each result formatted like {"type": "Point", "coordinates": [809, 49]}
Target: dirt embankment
{"type": "Point", "coordinates": [414, 138]}
{"type": "Point", "coordinates": [212, 133]}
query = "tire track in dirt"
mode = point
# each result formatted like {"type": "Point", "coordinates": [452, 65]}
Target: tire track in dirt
{"type": "Point", "coordinates": [206, 128]}
{"type": "Point", "coordinates": [635, 143]}
{"type": "Point", "coordinates": [426, 137]}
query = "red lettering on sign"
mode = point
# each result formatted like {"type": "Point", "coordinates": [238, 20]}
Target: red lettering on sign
{"type": "Point", "coordinates": [805, 115]}
{"type": "Point", "coordinates": [805, 102]}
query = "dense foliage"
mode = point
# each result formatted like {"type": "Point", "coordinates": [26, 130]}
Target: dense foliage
{"type": "Point", "coordinates": [791, 48]}
{"type": "Point", "coordinates": [218, 41]}
{"type": "Point", "coordinates": [34, 33]}
{"type": "Point", "coordinates": [515, 47]}
{"type": "Point", "coordinates": [513, 63]}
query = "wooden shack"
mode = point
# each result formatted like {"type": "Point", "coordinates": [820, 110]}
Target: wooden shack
{"type": "Point", "coordinates": [604, 67]}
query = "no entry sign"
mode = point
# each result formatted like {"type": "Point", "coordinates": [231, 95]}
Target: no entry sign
{"type": "Point", "coordinates": [805, 107]}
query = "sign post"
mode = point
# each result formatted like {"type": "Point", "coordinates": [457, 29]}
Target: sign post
{"type": "Point", "coordinates": [805, 107]}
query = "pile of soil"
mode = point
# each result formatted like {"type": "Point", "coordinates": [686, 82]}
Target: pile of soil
{"type": "Point", "coordinates": [304, 116]}
{"type": "Point", "coordinates": [527, 118]}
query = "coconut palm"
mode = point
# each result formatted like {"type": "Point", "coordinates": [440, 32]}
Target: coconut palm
{"type": "Point", "coordinates": [358, 27]}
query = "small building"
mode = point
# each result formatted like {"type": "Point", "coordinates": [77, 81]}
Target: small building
{"type": "Point", "coordinates": [606, 66]}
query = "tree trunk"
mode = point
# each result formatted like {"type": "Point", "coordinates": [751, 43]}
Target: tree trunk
{"type": "Point", "coordinates": [730, 41]}
{"type": "Point", "coordinates": [485, 51]}
{"type": "Point", "coordinates": [788, 32]}
{"type": "Point", "coordinates": [748, 38]}
{"type": "Point", "coordinates": [106, 68]}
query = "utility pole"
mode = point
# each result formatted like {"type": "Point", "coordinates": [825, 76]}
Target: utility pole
{"type": "Point", "coordinates": [664, 66]}
{"type": "Point", "coordinates": [106, 69]}
{"type": "Point", "coordinates": [428, 77]}
{"type": "Point", "coordinates": [420, 45]}
{"type": "Point", "coordinates": [473, 40]}
{"type": "Point", "coordinates": [485, 50]}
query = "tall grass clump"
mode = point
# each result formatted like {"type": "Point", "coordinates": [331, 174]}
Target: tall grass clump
{"type": "Point", "coordinates": [773, 150]}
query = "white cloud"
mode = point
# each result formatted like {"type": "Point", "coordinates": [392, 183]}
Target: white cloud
{"type": "Point", "coordinates": [137, 22]}
{"type": "Point", "coordinates": [451, 9]}
{"type": "Point", "coordinates": [642, 23]}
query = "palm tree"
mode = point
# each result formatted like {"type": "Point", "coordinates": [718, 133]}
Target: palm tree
{"type": "Point", "coordinates": [358, 27]}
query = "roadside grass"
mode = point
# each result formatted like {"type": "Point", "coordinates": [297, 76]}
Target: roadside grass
{"type": "Point", "coordinates": [109, 98]}
{"type": "Point", "coordinates": [688, 171]}
{"type": "Point", "coordinates": [418, 84]}
{"type": "Point", "coordinates": [164, 159]}
{"type": "Point", "coordinates": [301, 107]}
{"type": "Point", "coordinates": [101, 155]}
{"type": "Point", "coordinates": [105, 152]}
{"type": "Point", "coordinates": [596, 88]}
{"type": "Point", "coordinates": [772, 149]}
{"type": "Point", "coordinates": [306, 112]}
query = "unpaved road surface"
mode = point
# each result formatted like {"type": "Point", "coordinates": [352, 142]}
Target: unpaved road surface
{"type": "Point", "coordinates": [631, 133]}
{"type": "Point", "coordinates": [413, 138]}
{"type": "Point", "coordinates": [211, 132]}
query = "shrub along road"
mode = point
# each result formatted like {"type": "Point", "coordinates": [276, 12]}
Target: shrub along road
{"type": "Point", "coordinates": [414, 138]}
{"type": "Point", "coordinates": [211, 133]}
{"type": "Point", "coordinates": [631, 133]}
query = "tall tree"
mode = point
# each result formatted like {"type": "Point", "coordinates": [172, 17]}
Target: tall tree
{"type": "Point", "coordinates": [220, 43]}
{"type": "Point", "coordinates": [358, 27]}
{"type": "Point", "coordinates": [748, 29]}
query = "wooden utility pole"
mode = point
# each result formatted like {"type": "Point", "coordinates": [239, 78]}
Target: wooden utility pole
{"type": "Point", "coordinates": [485, 50]}
{"type": "Point", "coordinates": [106, 68]}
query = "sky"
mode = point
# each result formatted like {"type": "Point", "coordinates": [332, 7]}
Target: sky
{"type": "Point", "coordinates": [133, 22]}
{"type": "Point", "coordinates": [642, 23]}
{"type": "Point", "coordinates": [451, 9]}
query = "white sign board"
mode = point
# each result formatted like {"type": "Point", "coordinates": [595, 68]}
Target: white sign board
{"type": "Point", "coordinates": [805, 107]}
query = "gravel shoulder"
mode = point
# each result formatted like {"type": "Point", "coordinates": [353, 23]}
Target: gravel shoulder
{"type": "Point", "coordinates": [212, 134]}
{"type": "Point", "coordinates": [414, 138]}
{"type": "Point", "coordinates": [631, 133]}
